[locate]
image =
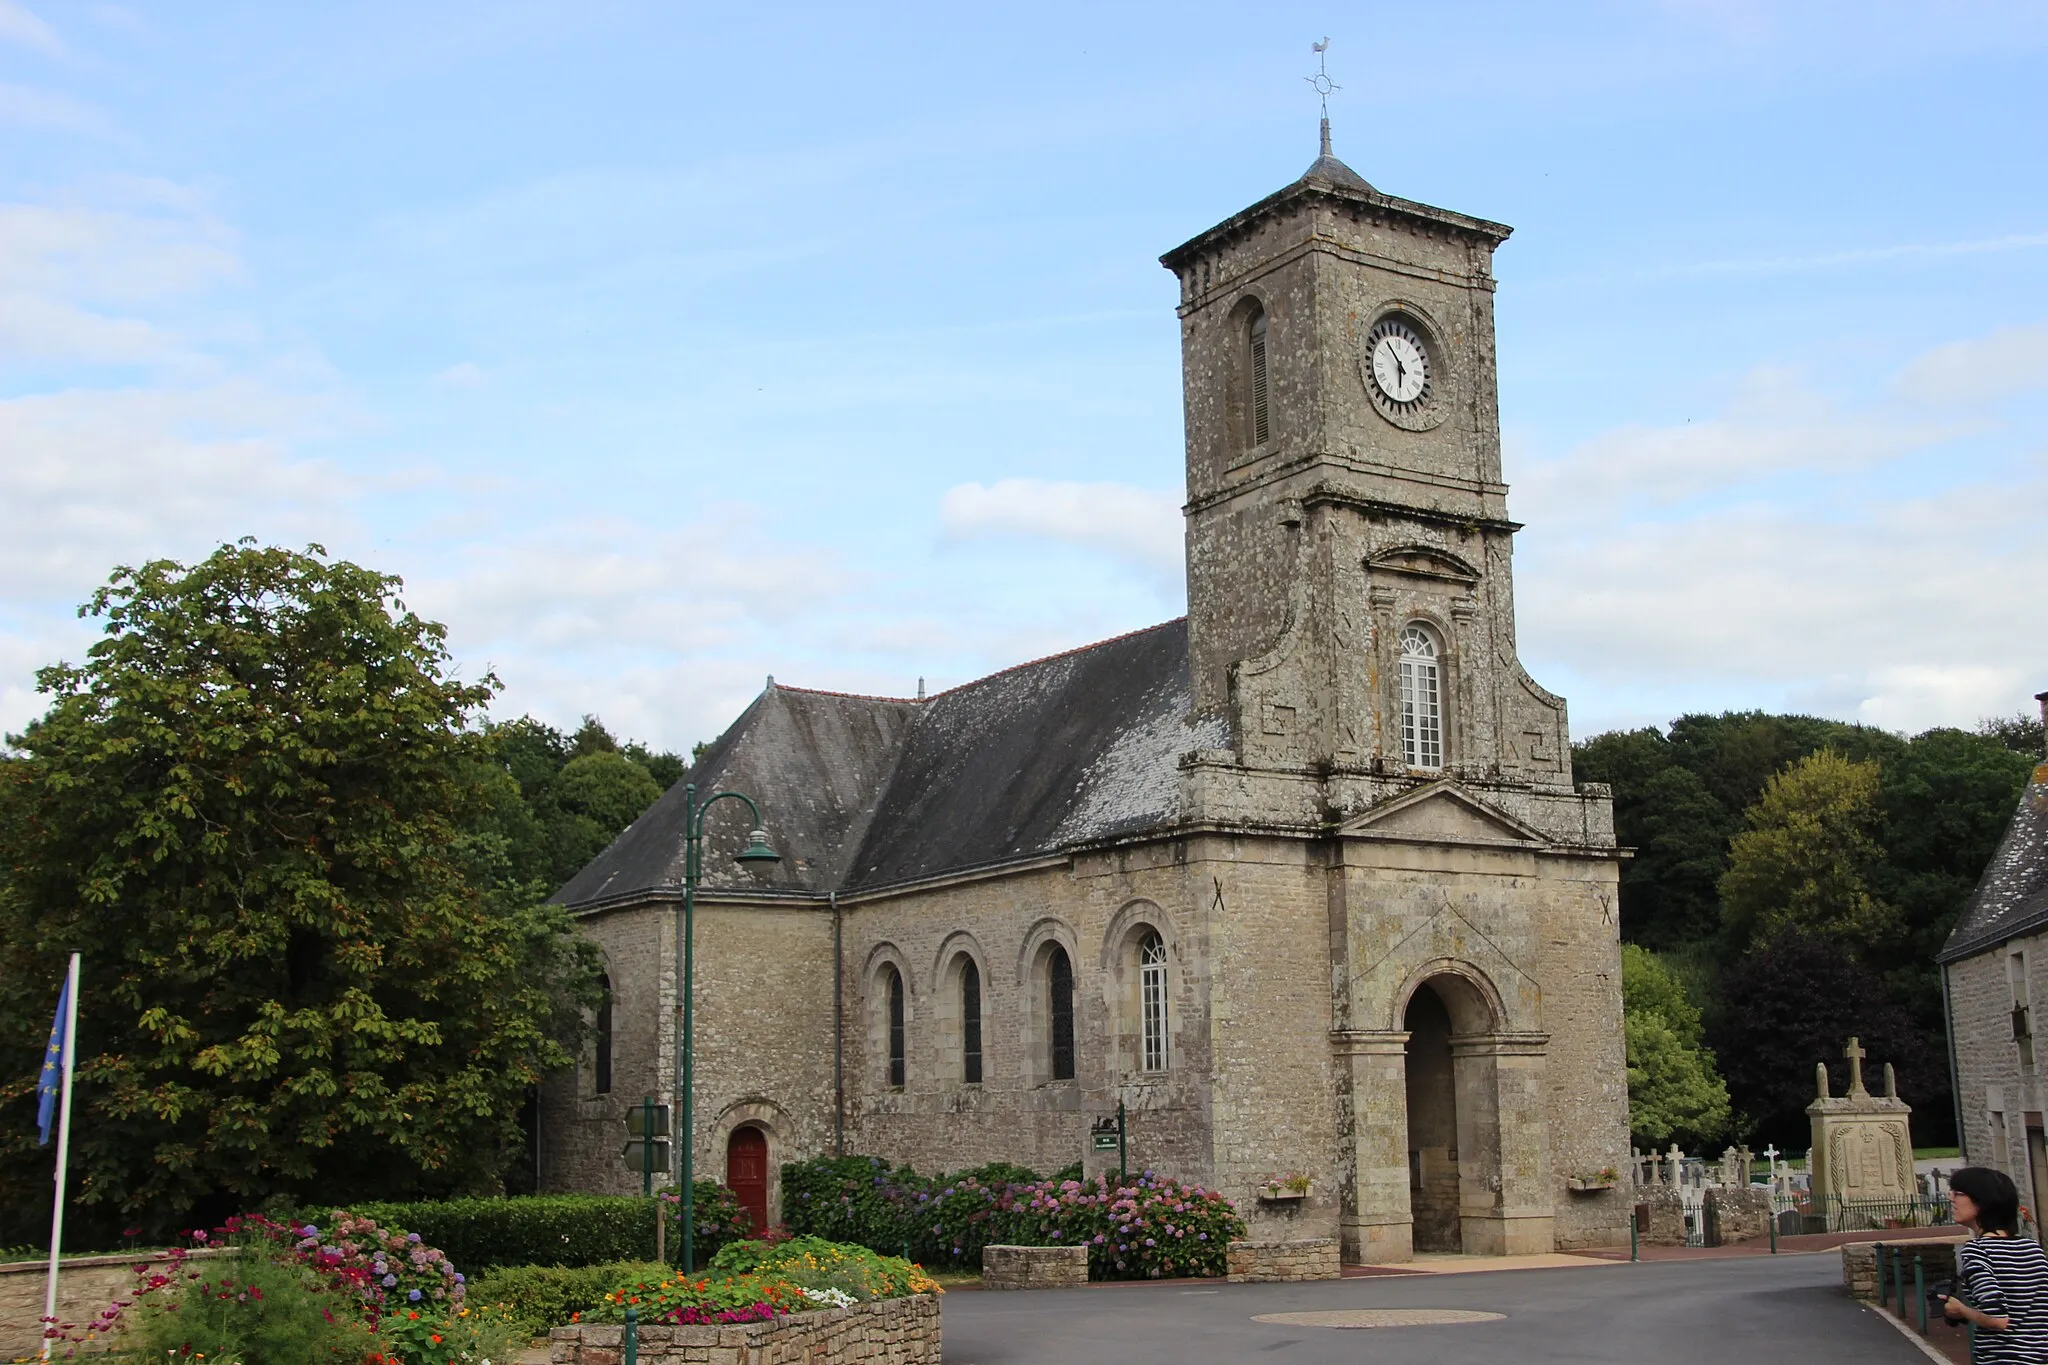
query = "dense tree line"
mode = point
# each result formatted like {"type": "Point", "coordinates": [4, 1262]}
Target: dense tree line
{"type": "Point", "coordinates": [309, 879]}
{"type": "Point", "coordinates": [1798, 876]}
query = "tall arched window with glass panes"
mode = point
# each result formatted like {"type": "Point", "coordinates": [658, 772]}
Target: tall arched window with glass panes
{"type": "Point", "coordinates": [892, 984]}
{"type": "Point", "coordinates": [1059, 981]}
{"type": "Point", "coordinates": [970, 1021]}
{"type": "Point", "coordinates": [1152, 1001]}
{"type": "Point", "coordinates": [1422, 709]}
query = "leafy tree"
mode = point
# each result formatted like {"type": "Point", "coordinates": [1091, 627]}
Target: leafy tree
{"type": "Point", "coordinates": [578, 791]}
{"type": "Point", "coordinates": [1674, 1091]}
{"type": "Point", "coordinates": [268, 817]}
{"type": "Point", "coordinates": [1796, 1001]}
{"type": "Point", "coordinates": [1807, 859]}
{"type": "Point", "coordinates": [2021, 734]}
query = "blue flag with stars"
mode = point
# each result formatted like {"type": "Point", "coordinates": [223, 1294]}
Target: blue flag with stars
{"type": "Point", "coordinates": [52, 1082]}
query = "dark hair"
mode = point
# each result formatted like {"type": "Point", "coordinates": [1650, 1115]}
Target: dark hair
{"type": "Point", "coordinates": [1996, 1197]}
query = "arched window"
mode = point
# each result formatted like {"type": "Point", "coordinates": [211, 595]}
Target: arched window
{"type": "Point", "coordinates": [892, 983]}
{"type": "Point", "coordinates": [1260, 428]}
{"type": "Point", "coordinates": [1059, 975]}
{"type": "Point", "coordinates": [970, 1021]}
{"type": "Point", "coordinates": [1422, 723]}
{"type": "Point", "coordinates": [1152, 1000]}
{"type": "Point", "coordinates": [604, 1036]}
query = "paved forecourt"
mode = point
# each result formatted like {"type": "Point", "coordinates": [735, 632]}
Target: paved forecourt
{"type": "Point", "coordinates": [1748, 1311]}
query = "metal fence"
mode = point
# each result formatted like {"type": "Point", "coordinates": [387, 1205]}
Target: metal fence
{"type": "Point", "coordinates": [1827, 1214]}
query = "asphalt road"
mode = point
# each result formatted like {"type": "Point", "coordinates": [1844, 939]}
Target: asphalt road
{"type": "Point", "coordinates": [1739, 1311]}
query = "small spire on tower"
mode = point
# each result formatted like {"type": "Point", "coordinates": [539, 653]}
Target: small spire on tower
{"type": "Point", "coordinates": [1323, 85]}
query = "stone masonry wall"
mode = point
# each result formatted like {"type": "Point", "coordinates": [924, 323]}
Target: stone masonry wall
{"type": "Point", "coordinates": [1034, 1267]}
{"type": "Point", "coordinates": [887, 1332]}
{"type": "Point", "coordinates": [1859, 1265]}
{"type": "Point", "coordinates": [85, 1285]}
{"type": "Point", "coordinates": [763, 1041]}
{"type": "Point", "coordinates": [1997, 1093]}
{"type": "Point", "coordinates": [1095, 911]}
{"type": "Point", "coordinates": [1310, 1258]}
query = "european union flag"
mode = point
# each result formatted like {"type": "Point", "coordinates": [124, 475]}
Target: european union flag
{"type": "Point", "coordinates": [52, 1082]}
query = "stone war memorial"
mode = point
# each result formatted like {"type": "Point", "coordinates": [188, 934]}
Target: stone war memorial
{"type": "Point", "coordinates": [1862, 1144]}
{"type": "Point", "coordinates": [1303, 879]}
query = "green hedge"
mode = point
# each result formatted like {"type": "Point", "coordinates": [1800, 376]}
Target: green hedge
{"type": "Point", "coordinates": [559, 1229]}
{"type": "Point", "coordinates": [543, 1296]}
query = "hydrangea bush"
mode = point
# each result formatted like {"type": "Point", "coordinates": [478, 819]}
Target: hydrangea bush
{"type": "Point", "coordinates": [353, 1293]}
{"type": "Point", "coordinates": [1153, 1227]}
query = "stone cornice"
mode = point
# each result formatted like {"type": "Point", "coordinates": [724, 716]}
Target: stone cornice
{"type": "Point", "coordinates": [1423, 217]}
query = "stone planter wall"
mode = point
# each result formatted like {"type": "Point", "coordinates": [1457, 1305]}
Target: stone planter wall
{"type": "Point", "coordinates": [1734, 1215]}
{"type": "Point", "coordinates": [1859, 1265]}
{"type": "Point", "coordinates": [886, 1332]}
{"type": "Point", "coordinates": [1306, 1258]}
{"type": "Point", "coordinates": [85, 1285]}
{"type": "Point", "coordinates": [1034, 1267]}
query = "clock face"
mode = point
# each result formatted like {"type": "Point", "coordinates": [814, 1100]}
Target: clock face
{"type": "Point", "coordinates": [1400, 363]}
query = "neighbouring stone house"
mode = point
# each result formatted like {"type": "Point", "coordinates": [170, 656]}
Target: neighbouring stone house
{"type": "Point", "coordinates": [1998, 949]}
{"type": "Point", "coordinates": [1302, 878]}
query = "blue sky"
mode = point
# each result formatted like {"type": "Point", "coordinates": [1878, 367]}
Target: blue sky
{"type": "Point", "coordinates": [661, 347]}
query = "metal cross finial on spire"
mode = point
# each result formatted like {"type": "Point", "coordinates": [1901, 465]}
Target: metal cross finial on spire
{"type": "Point", "coordinates": [1323, 85]}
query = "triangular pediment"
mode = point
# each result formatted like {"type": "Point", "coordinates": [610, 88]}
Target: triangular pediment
{"type": "Point", "coordinates": [1424, 561]}
{"type": "Point", "coordinates": [1442, 813]}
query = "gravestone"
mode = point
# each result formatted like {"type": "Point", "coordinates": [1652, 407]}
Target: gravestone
{"type": "Point", "coordinates": [1862, 1144]}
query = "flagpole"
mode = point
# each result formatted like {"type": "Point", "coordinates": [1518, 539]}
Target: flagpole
{"type": "Point", "coordinates": [63, 1149]}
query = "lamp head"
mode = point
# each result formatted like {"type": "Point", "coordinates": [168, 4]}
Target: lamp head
{"type": "Point", "coordinates": [757, 850]}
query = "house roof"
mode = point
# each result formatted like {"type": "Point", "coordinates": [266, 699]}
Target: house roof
{"type": "Point", "coordinates": [865, 792]}
{"type": "Point", "coordinates": [2012, 896]}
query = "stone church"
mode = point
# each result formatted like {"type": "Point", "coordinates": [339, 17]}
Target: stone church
{"type": "Point", "coordinates": [1302, 878]}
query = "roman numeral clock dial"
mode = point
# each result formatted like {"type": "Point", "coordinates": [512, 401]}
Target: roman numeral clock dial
{"type": "Point", "coordinates": [1401, 368]}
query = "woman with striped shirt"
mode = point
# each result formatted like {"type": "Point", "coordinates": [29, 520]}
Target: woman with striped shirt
{"type": "Point", "coordinates": [2002, 1277]}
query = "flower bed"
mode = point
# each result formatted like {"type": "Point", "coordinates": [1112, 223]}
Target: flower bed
{"type": "Point", "coordinates": [357, 1294]}
{"type": "Point", "coordinates": [1153, 1227]}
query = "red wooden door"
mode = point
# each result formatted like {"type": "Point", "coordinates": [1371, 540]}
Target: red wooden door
{"type": "Point", "coordinates": [746, 1173]}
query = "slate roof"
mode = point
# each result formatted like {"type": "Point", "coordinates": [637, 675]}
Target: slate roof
{"type": "Point", "coordinates": [866, 792]}
{"type": "Point", "coordinates": [1327, 176]}
{"type": "Point", "coordinates": [2012, 896]}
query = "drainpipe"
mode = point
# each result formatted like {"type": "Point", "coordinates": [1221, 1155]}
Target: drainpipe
{"type": "Point", "coordinates": [838, 1032]}
{"type": "Point", "coordinates": [1955, 1089]}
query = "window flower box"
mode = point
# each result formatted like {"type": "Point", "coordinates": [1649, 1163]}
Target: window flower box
{"type": "Point", "coordinates": [1292, 1189]}
{"type": "Point", "coordinates": [1593, 1184]}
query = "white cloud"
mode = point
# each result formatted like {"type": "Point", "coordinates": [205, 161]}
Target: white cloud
{"type": "Point", "coordinates": [1139, 525]}
{"type": "Point", "coordinates": [35, 108]}
{"type": "Point", "coordinates": [1774, 425]}
{"type": "Point", "coordinates": [466, 374]}
{"type": "Point", "coordinates": [19, 25]}
{"type": "Point", "coordinates": [93, 478]}
{"type": "Point", "coordinates": [1983, 369]}
{"type": "Point", "coordinates": [1752, 557]}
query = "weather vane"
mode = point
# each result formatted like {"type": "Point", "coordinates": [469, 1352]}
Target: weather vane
{"type": "Point", "coordinates": [1321, 80]}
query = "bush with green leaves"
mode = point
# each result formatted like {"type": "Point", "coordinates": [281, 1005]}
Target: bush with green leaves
{"type": "Point", "coordinates": [562, 1229]}
{"type": "Point", "coordinates": [538, 1297]}
{"type": "Point", "coordinates": [1151, 1227]}
{"type": "Point", "coordinates": [250, 1306]}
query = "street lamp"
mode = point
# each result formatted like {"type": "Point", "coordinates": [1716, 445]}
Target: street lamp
{"type": "Point", "coordinates": [756, 851]}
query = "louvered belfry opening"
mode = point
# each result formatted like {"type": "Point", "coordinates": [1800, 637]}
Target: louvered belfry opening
{"type": "Point", "coordinates": [1260, 428]}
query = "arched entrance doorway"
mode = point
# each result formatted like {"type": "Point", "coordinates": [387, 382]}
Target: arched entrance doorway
{"type": "Point", "coordinates": [1432, 1123]}
{"type": "Point", "coordinates": [746, 1172]}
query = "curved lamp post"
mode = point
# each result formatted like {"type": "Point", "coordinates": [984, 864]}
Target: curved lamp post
{"type": "Point", "coordinates": [756, 851]}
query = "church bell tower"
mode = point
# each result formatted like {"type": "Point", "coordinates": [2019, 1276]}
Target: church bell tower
{"type": "Point", "coordinates": [1350, 602]}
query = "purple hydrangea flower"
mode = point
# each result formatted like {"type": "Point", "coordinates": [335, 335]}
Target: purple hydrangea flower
{"type": "Point", "coordinates": [412, 1296]}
